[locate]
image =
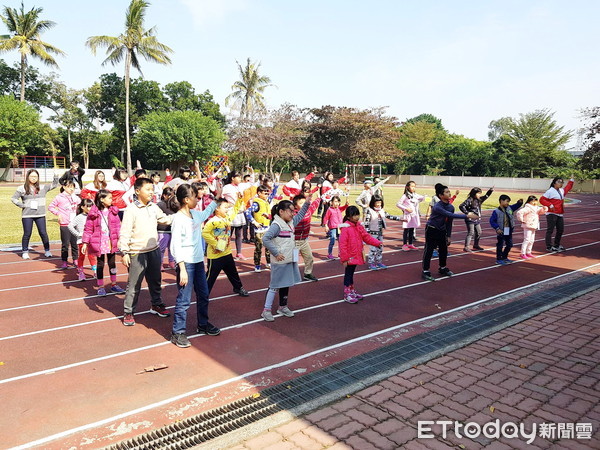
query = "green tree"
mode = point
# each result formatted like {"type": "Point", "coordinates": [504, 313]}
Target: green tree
{"type": "Point", "coordinates": [37, 86]}
{"type": "Point", "coordinates": [429, 118]}
{"type": "Point", "coordinates": [422, 143]}
{"type": "Point", "coordinates": [464, 156]}
{"type": "Point", "coordinates": [21, 129]}
{"type": "Point", "coordinates": [25, 29]}
{"type": "Point", "coordinates": [248, 91]}
{"type": "Point", "coordinates": [177, 137]}
{"type": "Point", "coordinates": [65, 104]}
{"type": "Point", "coordinates": [128, 46]}
{"type": "Point", "coordinates": [537, 141]}
{"type": "Point", "coordinates": [591, 157]}
{"type": "Point", "coordinates": [181, 96]}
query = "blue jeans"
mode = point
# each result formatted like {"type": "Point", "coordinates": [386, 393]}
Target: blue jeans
{"type": "Point", "coordinates": [332, 236]}
{"type": "Point", "coordinates": [197, 282]}
{"type": "Point", "coordinates": [503, 246]}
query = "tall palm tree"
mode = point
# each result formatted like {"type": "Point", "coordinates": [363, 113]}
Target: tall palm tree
{"type": "Point", "coordinates": [128, 45]}
{"type": "Point", "coordinates": [248, 91]}
{"type": "Point", "coordinates": [25, 29]}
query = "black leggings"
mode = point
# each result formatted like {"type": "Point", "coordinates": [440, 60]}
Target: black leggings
{"type": "Point", "coordinates": [553, 222]}
{"type": "Point", "coordinates": [349, 275]}
{"type": "Point", "coordinates": [283, 296]}
{"type": "Point", "coordinates": [67, 240]}
{"type": "Point", "coordinates": [110, 257]}
{"type": "Point", "coordinates": [237, 233]}
{"type": "Point", "coordinates": [225, 264]}
{"type": "Point", "coordinates": [40, 223]}
{"type": "Point", "coordinates": [409, 236]}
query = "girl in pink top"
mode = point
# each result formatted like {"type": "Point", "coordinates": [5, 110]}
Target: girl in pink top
{"type": "Point", "coordinates": [409, 204]}
{"type": "Point", "coordinates": [64, 206]}
{"type": "Point", "coordinates": [332, 220]}
{"type": "Point", "coordinates": [529, 215]}
{"type": "Point", "coordinates": [100, 238]}
{"type": "Point", "coordinates": [351, 250]}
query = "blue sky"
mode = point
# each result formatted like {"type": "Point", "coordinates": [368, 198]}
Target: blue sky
{"type": "Point", "coordinates": [467, 62]}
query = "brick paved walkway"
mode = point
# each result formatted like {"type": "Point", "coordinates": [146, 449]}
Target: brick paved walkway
{"type": "Point", "coordinates": [543, 370]}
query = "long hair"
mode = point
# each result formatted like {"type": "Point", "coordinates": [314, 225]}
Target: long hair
{"type": "Point", "coordinates": [118, 172]}
{"type": "Point", "coordinates": [27, 185]}
{"type": "Point", "coordinates": [231, 175]}
{"type": "Point", "coordinates": [351, 211]}
{"type": "Point", "coordinates": [531, 198]}
{"type": "Point", "coordinates": [554, 180]}
{"type": "Point", "coordinates": [406, 191]}
{"type": "Point", "coordinates": [167, 193]}
{"type": "Point", "coordinates": [97, 183]}
{"type": "Point", "coordinates": [474, 192]}
{"type": "Point", "coordinates": [101, 195]}
{"type": "Point", "coordinates": [84, 202]}
{"type": "Point", "coordinates": [184, 191]}
{"type": "Point", "coordinates": [277, 208]}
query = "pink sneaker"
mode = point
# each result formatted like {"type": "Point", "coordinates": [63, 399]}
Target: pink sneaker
{"type": "Point", "coordinates": [413, 247]}
{"type": "Point", "coordinates": [523, 256]}
{"type": "Point", "coordinates": [64, 265]}
{"type": "Point", "coordinates": [330, 256]}
{"type": "Point", "coordinates": [530, 256]}
{"type": "Point", "coordinates": [240, 257]}
{"type": "Point", "coordinates": [349, 296]}
{"type": "Point", "coordinates": [356, 295]}
{"type": "Point", "coordinates": [406, 248]}
{"type": "Point", "coordinates": [80, 275]}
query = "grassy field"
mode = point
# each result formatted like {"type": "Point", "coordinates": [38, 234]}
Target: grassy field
{"type": "Point", "coordinates": [11, 230]}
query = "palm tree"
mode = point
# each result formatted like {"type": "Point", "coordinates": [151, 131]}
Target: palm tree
{"type": "Point", "coordinates": [132, 42]}
{"type": "Point", "coordinates": [248, 91]}
{"type": "Point", "coordinates": [25, 29]}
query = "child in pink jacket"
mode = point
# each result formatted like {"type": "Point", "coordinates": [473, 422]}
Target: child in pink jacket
{"type": "Point", "coordinates": [409, 204]}
{"type": "Point", "coordinates": [332, 220]}
{"type": "Point", "coordinates": [100, 238]}
{"type": "Point", "coordinates": [351, 250]}
{"type": "Point", "coordinates": [64, 206]}
{"type": "Point", "coordinates": [529, 215]}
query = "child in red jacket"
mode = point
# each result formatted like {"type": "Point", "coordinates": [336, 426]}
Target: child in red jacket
{"type": "Point", "coordinates": [351, 250]}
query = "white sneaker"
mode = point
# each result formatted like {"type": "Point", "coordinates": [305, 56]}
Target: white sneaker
{"type": "Point", "coordinates": [267, 315]}
{"type": "Point", "coordinates": [48, 254]}
{"type": "Point", "coordinates": [26, 255]}
{"type": "Point", "coordinates": [287, 312]}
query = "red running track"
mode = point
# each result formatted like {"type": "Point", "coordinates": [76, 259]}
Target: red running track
{"type": "Point", "coordinates": [69, 374]}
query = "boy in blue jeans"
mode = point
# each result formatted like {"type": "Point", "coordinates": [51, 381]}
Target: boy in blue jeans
{"type": "Point", "coordinates": [503, 221]}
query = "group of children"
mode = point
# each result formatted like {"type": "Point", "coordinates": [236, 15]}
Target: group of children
{"type": "Point", "coordinates": [195, 219]}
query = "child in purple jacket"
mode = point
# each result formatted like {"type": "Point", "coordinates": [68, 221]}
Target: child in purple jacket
{"type": "Point", "coordinates": [100, 237]}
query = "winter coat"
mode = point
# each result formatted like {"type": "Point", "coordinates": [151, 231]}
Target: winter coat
{"type": "Point", "coordinates": [64, 206]}
{"type": "Point", "coordinates": [529, 215]}
{"type": "Point", "coordinates": [351, 242]}
{"type": "Point", "coordinates": [92, 233]}
{"type": "Point", "coordinates": [333, 217]}
{"type": "Point", "coordinates": [497, 217]}
{"type": "Point", "coordinates": [118, 189]}
{"type": "Point", "coordinates": [556, 197]}
{"type": "Point", "coordinates": [413, 219]}
{"type": "Point", "coordinates": [473, 204]}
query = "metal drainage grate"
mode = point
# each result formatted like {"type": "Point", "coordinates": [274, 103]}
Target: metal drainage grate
{"type": "Point", "coordinates": [306, 388]}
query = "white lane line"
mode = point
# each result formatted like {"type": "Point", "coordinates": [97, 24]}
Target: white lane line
{"type": "Point", "coordinates": [243, 324]}
{"type": "Point", "coordinates": [75, 282]}
{"type": "Point", "coordinates": [278, 365]}
{"type": "Point", "coordinates": [54, 302]}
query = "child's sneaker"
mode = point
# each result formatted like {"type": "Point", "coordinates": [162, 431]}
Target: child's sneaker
{"type": "Point", "coordinates": [257, 269]}
{"type": "Point", "coordinates": [159, 310]}
{"type": "Point", "coordinates": [530, 256]}
{"type": "Point", "coordinates": [524, 256]}
{"type": "Point", "coordinates": [64, 265]}
{"type": "Point", "coordinates": [267, 315]}
{"type": "Point", "coordinates": [330, 256]}
{"type": "Point", "coordinates": [349, 296]}
{"type": "Point", "coordinates": [413, 247]}
{"type": "Point", "coordinates": [382, 266]}
{"type": "Point", "coordinates": [508, 261]}
{"type": "Point", "coordinates": [117, 289]}
{"type": "Point", "coordinates": [180, 340]}
{"type": "Point", "coordinates": [48, 254]}
{"type": "Point", "coordinates": [240, 257]}
{"type": "Point", "coordinates": [405, 248]}
{"type": "Point", "coordinates": [435, 254]}
{"type": "Point", "coordinates": [501, 262]}
{"type": "Point", "coordinates": [268, 266]}
{"type": "Point", "coordinates": [373, 267]}
{"type": "Point", "coordinates": [80, 275]}
{"type": "Point", "coordinates": [128, 320]}
{"type": "Point", "coordinates": [287, 312]}
{"type": "Point", "coordinates": [102, 292]}
{"type": "Point", "coordinates": [356, 295]}
{"type": "Point", "coordinates": [25, 255]}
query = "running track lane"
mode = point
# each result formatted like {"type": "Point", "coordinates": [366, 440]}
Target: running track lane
{"type": "Point", "coordinates": [110, 387]}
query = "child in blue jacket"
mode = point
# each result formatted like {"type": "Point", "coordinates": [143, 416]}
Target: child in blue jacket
{"type": "Point", "coordinates": [503, 221]}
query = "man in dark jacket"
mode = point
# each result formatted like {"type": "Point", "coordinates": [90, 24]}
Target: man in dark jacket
{"type": "Point", "coordinates": [75, 174]}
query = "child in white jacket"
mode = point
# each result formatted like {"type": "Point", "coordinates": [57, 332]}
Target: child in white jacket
{"type": "Point", "coordinates": [529, 215]}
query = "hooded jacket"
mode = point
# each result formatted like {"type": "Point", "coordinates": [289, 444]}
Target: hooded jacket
{"type": "Point", "coordinates": [92, 232]}
{"type": "Point", "coordinates": [351, 242]}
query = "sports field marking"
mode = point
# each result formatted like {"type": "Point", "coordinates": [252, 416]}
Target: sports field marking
{"type": "Point", "coordinates": [278, 365]}
{"type": "Point", "coordinates": [54, 302]}
{"type": "Point", "coordinates": [321, 305]}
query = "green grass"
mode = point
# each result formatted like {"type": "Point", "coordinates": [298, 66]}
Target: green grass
{"type": "Point", "coordinates": [11, 229]}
